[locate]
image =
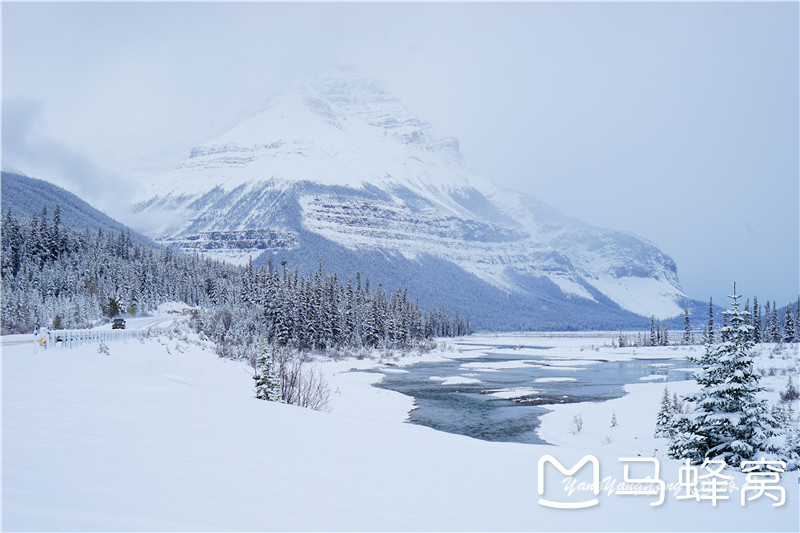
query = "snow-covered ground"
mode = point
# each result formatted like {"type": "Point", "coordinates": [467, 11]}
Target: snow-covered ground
{"type": "Point", "coordinates": [163, 435]}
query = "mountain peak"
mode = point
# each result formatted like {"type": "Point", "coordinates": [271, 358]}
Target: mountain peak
{"type": "Point", "coordinates": [340, 169]}
{"type": "Point", "coordinates": [336, 94]}
{"type": "Point", "coordinates": [346, 81]}
{"type": "Point", "coordinates": [339, 129]}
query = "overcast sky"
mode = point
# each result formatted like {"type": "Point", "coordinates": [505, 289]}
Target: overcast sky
{"type": "Point", "coordinates": [678, 122]}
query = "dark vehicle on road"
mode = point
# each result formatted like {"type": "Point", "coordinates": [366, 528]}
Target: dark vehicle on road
{"type": "Point", "coordinates": [118, 323]}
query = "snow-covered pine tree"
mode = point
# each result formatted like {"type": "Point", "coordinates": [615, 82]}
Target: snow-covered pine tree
{"type": "Point", "coordinates": [797, 321]}
{"type": "Point", "coordinates": [729, 422]}
{"type": "Point", "coordinates": [723, 333]}
{"type": "Point", "coordinates": [766, 335]}
{"type": "Point", "coordinates": [780, 415]}
{"type": "Point", "coordinates": [791, 447]}
{"type": "Point", "coordinates": [748, 313]}
{"type": "Point", "coordinates": [664, 416]}
{"type": "Point", "coordinates": [791, 393]}
{"type": "Point", "coordinates": [788, 325]}
{"type": "Point", "coordinates": [44, 237]}
{"type": "Point", "coordinates": [268, 385]}
{"type": "Point", "coordinates": [348, 314]}
{"type": "Point", "coordinates": [653, 336]}
{"type": "Point", "coordinates": [686, 442]}
{"type": "Point", "coordinates": [33, 243]}
{"type": "Point", "coordinates": [333, 305]}
{"type": "Point", "coordinates": [775, 324]}
{"type": "Point", "coordinates": [677, 403]}
{"type": "Point", "coordinates": [756, 321]}
{"type": "Point", "coordinates": [687, 326]}
{"type": "Point", "coordinates": [54, 236]}
{"type": "Point", "coordinates": [710, 332]}
{"type": "Point", "coordinates": [12, 245]}
{"type": "Point", "coordinates": [374, 324]}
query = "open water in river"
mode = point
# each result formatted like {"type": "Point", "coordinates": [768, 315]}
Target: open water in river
{"type": "Point", "coordinates": [499, 396]}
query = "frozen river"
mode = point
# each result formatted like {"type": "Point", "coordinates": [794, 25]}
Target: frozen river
{"type": "Point", "coordinates": [499, 396]}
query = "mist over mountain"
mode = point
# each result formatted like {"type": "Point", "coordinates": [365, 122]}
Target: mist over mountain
{"type": "Point", "coordinates": [339, 170]}
{"type": "Point", "coordinates": [25, 196]}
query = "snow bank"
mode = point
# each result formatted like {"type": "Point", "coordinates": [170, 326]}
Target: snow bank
{"type": "Point", "coordinates": [162, 435]}
{"type": "Point", "coordinates": [496, 365]}
{"type": "Point", "coordinates": [512, 393]}
{"type": "Point", "coordinates": [553, 380]}
{"type": "Point", "coordinates": [174, 308]}
{"type": "Point", "coordinates": [636, 421]}
{"type": "Point", "coordinates": [455, 380]}
{"type": "Point", "coordinates": [353, 395]}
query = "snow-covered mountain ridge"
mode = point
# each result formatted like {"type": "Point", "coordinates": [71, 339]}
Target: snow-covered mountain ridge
{"type": "Point", "coordinates": [340, 168]}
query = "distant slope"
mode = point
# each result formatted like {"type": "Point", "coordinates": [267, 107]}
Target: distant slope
{"type": "Point", "coordinates": [436, 283]}
{"type": "Point", "coordinates": [25, 196]}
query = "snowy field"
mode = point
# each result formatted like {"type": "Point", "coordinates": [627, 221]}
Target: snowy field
{"type": "Point", "coordinates": [163, 435]}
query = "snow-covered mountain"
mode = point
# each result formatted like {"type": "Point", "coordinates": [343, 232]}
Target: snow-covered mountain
{"type": "Point", "coordinates": [341, 170]}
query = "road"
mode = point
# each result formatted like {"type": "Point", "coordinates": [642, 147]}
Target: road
{"type": "Point", "coordinates": [146, 322]}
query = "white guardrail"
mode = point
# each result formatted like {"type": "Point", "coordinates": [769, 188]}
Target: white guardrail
{"type": "Point", "coordinates": [70, 338]}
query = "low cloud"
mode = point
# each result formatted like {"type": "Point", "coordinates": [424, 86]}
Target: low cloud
{"type": "Point", "coordinates": [28, 148]}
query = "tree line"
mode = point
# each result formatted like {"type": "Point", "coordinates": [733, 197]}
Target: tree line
{"type": "Point", "coordinates": [54, 276]}
{"type": "Point", "coordinates": [317, 312]}
{"type": "Point", "coordinates": [770, 326]}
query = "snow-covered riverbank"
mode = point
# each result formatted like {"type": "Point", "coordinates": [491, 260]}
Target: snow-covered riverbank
{"type": "Point", "coordinates": [163, 435]}
{"type": "Point", "coordinates": [634, 413]}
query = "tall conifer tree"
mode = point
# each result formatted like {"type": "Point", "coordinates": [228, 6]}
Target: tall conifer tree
{"type": "Point", "coordinates": [728, 422]}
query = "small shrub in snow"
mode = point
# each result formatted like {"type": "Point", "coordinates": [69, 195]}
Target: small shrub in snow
{"type": "Point", "coordinates": [300, 384]}
{"type": "Point", "coordinates": [678, 405]}
{"type": "Point", "coordinates": [665, 415]}
{"type": "Point", "coordinates": [103, 348]}
{"type": "Point", "coordinates": [791, 393]}
{"type": "Point", "coordinates": [577, 424]}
